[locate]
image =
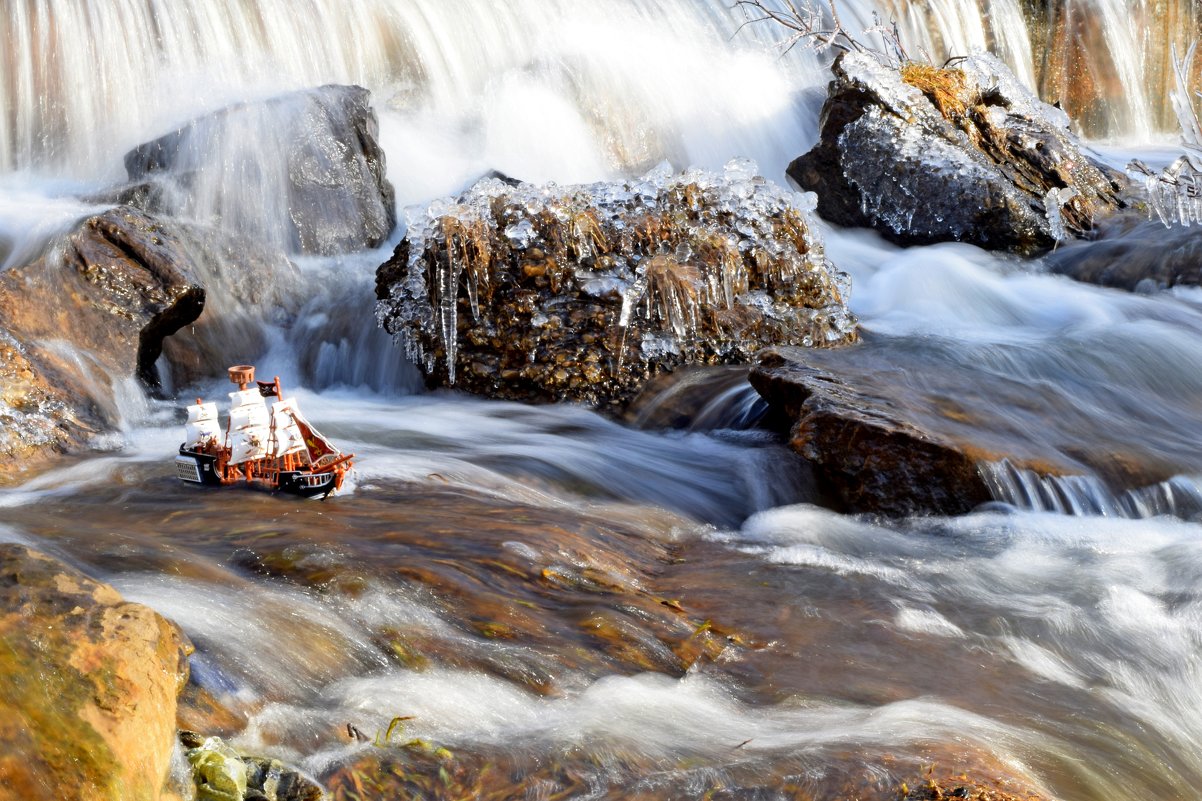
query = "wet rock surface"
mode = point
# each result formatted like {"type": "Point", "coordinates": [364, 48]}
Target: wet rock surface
{"type": "Point", "coordinates": [1146, 256]}
{"type": "Point", "coordinates": [90, 685]}
{"type": "Point", "coordinates": [603, 651]}
{"type": "Point", "coordinates": [320, 172]}
{"type": "Point", "coordinates": [698, 399]}
{"type": "Point", "coordinates": [573, 593]}
{"type": "Point", "coordinates": [418, 769]}
{"type": "Point", "coordinates": [247, 286]}
{"type": "Point", "coordinates": [584, 293]}
{"type": "Point", "coordinates": [966, 154]}
{"type": "Point", "coordinates": [221, 773]}
{"type": "Point", "coordinates": [90, 314]}
{"type": "Point", "coordinates": [900, 426]}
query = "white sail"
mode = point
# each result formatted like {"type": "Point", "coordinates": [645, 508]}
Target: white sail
{"type": "Point", "coordinates": [249, 426]}
{"type": "Point", "coordinates": [202, 424]}
{"type": "Point", "coordinates": [202, 412]}
{"type": "Point", "coordinates": [286, 436]}
{"type": "Point", "coordinates": [248, 444]}
{"type": "Point", "coordinates": [248, 408]}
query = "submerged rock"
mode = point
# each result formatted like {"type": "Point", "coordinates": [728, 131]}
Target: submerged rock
{"type": "Point", "coordinates": [1148, 256]}
{"type": "Point", "coordinates": [304, 171]}
{"type": "Point", "coordinates": [221, 773]}
{"type": "Point", "coordinates": [961, 154]}
{"type": "Point", "coordinates": [81, 320]}
{"type": "Point", "coordinates": [583, 293]}
{"type": "Point", "coordinates": [90, 686]}
{"type": "Point", "coordinates": [420, 769]}
{"type": "Point", "coordinates": [902, 426]}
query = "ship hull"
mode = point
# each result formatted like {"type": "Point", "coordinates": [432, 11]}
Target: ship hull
{"type": "Point", "coordinates": [307, 485]}
{"type": "Point", "coordinates": [194, 467]}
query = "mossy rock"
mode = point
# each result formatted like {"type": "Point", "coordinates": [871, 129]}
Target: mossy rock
{"type": "Point", "coordinates": [87, 706]}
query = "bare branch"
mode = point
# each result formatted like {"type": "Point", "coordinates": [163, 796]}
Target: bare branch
{"type": "Point", "coordinates": [806, 23]}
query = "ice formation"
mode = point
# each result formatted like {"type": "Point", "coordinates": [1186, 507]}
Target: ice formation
{"type": "Point", "coordinates": [1053, 203]}
{"type": "Point", "coordinates": [693, 266]}
{"type": "Point", "coordinates": [926, 154]}
{"type": "Point", "coordinates": [1175, 193]}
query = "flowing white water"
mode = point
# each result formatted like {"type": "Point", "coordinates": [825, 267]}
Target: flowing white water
{"type": "Point", "coordinates": [82, 80]}
{"type": "Point", "coordinates": [1093, 626]}
{"type": "Point", "coordinates": [530, 72]}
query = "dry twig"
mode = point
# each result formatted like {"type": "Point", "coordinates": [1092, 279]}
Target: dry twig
{"type": "Point", "coordinates": [822, 29]}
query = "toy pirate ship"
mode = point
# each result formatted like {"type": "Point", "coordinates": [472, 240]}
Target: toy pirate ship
{"type": "Point", "coordinates": [275, 449]}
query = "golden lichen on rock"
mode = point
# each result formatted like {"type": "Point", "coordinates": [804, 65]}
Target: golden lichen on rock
{"type": "Point", "coordinates": [585, 292]}
{"type": "Point", "coordinates": [948, 89]}
{"type": "Point", "coordinates": [87, 709]}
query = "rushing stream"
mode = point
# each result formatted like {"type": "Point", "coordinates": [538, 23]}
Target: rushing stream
{"type": "Point", "coordinates": [588, 609]}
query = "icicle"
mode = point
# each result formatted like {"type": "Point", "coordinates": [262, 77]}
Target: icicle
{"type": "Point", "coordinates": [1053, 204]}
{"type": "Point", "coordinates": [675, 246]}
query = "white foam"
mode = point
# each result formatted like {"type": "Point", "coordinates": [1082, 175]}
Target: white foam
{"type": "Point", "coordinates": [927, 621]}
{"type": "Point", "coordinates": [647, 714]}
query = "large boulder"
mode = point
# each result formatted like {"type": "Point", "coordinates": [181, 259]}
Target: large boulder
{"type": "Point", "coordinates": [958, 154]}
{"type": "Point", "coordinates": [583, 293]}
{"type": "Point", "coordinates": [303, 171]}
{"type": "Point", "coordinates": [90, 686]}
{"type": "Point", "coordinates": [901, 425]}
{"type": "Point", "coordinates": [76, 323]}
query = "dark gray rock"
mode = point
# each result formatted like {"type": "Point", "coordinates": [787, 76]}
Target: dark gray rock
{"type": "Point", "coordinates": [303, 171]}
{"type": "Point", "coordinates": [1143, 256]}
{"type": "Point", "coordinates": [962, 154]}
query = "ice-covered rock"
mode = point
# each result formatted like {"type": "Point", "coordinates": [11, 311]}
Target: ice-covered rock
{"type": "Point", "coordinates": [1174, 194]}
{"type": "Point", "coordinates": [584, 292]}
{"type": "Point", "coordinates": [959, 154]}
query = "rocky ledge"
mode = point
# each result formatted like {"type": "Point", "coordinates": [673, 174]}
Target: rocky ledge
{"type": "Point", "coordinates": [77, 322]}
{"type": "Point", "coordinates": [1143, 256]}
{"type": "Point", "coordinates": [966, 153]}
{"type": "Point", "coordinates": [903, 425]}
{"type": "Point", "coordinates": [90, 686]}
{"type": "Point", "coordinates": [583, 293]}
{"type": "Point", "coordinates": [318, 185]}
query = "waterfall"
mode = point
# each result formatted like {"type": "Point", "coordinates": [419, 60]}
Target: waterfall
{"type": "Point", "coordinates": [544, 90]}
{"type": "Point", "coordinates": [1180, 496]}
{"type": "Point", "coordinates": [83, 80]}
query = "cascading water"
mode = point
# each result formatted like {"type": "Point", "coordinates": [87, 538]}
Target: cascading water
{"type": "Point", "coordinates": [73, 101]}
{"type": "Point", "coordinates": [585, 604]}
{"type": "Point", "coordinates": [1086, 495]}
{"type": "Point", "coordinates": [72, 106]}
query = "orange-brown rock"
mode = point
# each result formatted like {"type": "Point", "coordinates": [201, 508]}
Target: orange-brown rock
{"type": "Point", "coordinates": [87, 705]}
{"type": "Point", "coordinates": [900, 426]}
{"type": "Point", "coordinates": [81, 319]}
